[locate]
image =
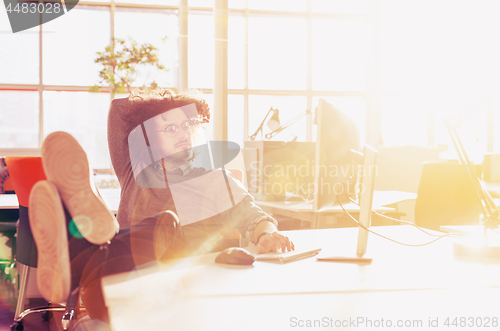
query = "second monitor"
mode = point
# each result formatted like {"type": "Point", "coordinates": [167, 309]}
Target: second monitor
{"type": "Point", "coordinates": [336, 158]}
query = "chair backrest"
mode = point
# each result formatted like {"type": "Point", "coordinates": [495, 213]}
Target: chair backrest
{"type": "Point", "coordinates": [446, 196]}
{"type": "Point", "coordinates": [25, 171]}
{"type": "Point", "coordinates": [5, 180]}
{"type": "Point", "coordinates": [6, 187]}
{"type": "Point", "coordinates": [399, 168]}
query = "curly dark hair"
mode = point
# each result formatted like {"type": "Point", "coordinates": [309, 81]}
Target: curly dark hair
{"type": "Point", "coordinates": [145, 104]}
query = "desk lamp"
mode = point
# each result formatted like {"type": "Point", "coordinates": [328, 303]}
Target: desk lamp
{"type": "Point", "coordinates": [273, 124]}
{"type": "Point", "coordinates": [286, 125]}
{"type": "Point", "coordinates": [487, 205]}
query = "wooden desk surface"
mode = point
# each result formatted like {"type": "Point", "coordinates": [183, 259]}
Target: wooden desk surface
{"type": "Point", "coordinates": [402, 283]}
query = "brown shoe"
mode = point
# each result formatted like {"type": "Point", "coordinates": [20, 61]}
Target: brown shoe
{"type": "Point", "coordinates": [48, 225]}
{"type": "Point", "coordinates": [66, 165]}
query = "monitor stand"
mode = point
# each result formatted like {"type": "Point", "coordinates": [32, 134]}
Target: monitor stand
{"type": "Point", "coordinates": [365, 204]}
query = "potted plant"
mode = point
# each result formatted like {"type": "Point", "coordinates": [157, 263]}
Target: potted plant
{"type": "Point", "coordinates": [120, 62]}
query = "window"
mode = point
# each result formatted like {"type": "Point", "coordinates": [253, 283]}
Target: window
{"type": "Point", "coordinates": [443, 55]}
{"type": "Point", "coordinates": [19, 125]}
{"type": "Point", "coordinates": [70, 43]}
{"type": "Point", "coordinates": [236, 119]}
{"type": "Point", "coordinates": [155, 27]}
{"type": "Point", "coordinates": [281, 5]}
{"type": "Point", "coordinates": [276, 65]}
{"type": "Point", "coordinates": [339, 55]}
{"type": "Point", "coordinates": [201, 50]}
{"type": "Point", "coordinates": [84, 115]}
{"type": "Point", "coordinates": [19, 54]}
{"type": "Point", "coordinates": [236, 52]}
{"type": "Point", "coordinates": [404, 121]}
{"type": "Point", "coordinates": [343, 7]}
{"type": "Point", "coordinates": [398, 67]}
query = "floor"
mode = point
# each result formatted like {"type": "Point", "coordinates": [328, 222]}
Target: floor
{"type": "Point", "coordinates": [33, 322]}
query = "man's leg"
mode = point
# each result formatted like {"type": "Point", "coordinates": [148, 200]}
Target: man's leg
{"type": "Point", "coordinates": [48, 226]}
{"type": "Point", "coordinates": [155, 239]}
{"type": "Point", "coordinates": [66, 165]}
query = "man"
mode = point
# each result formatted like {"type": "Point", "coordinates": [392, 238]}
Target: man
{"type": "Point", "coordinates": [148, 114]}
{"type": "Point", "coordinates": [152, 191]}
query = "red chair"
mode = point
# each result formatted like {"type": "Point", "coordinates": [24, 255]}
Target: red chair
{"type": "Point", "coordinates": [5, 180]}
{"type": "Point", "coordinates": [24, 172]}
{"type": "Point", "coordinates": [8, 221]}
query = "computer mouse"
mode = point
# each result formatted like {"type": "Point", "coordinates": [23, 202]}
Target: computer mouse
{"type": "Point", "coordinates": [235, 255]}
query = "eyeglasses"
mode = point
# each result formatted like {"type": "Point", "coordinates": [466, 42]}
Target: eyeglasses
{"type": "Point", "coordinates": [173, 129]}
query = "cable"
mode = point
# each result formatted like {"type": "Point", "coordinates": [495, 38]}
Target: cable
{"type": "Point", "coordinates": [395, 241]}
{"type": "Point", "coordinates": [400, 221]}
{"type": "Point", "coordinates": [409, 223]}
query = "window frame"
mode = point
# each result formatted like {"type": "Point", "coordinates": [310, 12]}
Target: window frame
{"type": "Point", "coordinates": [372, 95]}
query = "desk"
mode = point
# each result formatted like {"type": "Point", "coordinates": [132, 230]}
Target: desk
{"type": "Point", "coordinates": [8, 201]}
{"type": "Point", "coordinates": [111, 197]}
{"type": "Point", "coordinates": [383, 201]}
{"type": "Point", "coordinates": [403, 283]}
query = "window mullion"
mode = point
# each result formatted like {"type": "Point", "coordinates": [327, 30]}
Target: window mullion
{"type": "Point", "coordinates": [40, 87]}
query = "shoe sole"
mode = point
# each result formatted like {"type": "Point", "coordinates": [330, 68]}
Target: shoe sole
{"type": "Point", "coordinates": [48, 225]}
{"type": "Point", "coordinates": [66, 165]}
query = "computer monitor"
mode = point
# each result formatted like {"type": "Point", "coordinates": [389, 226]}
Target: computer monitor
{"type": "Point", "coordinates": [336, 158]}
{"type": "Point", "coordinates": [366, 186]}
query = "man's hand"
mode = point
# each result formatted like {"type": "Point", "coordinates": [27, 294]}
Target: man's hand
{"type": "Point", "coordinates": [274, 242]}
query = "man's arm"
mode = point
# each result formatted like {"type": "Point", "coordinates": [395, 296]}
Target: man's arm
{"type": "Point", "coordinates": [267, 238]}
{"type": "Point", "coordinates": [253, 223]}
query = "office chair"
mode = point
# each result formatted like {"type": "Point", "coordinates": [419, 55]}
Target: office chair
{"type": "Point", "coordinates": [8, 220]}
{"type": "Point", "coordinates": [446, 196]}
{"type": "Point", "coordinates": [6, 186]}
{"type": "Point", "coordinates": [25, 171]}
